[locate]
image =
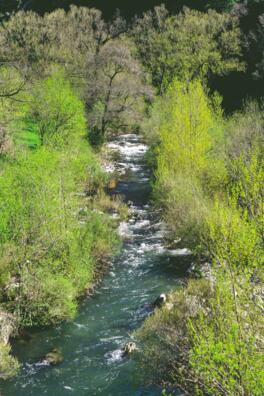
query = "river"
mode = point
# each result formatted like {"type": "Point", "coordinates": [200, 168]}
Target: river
{"type": "Point", "coordinates": [92, 343]}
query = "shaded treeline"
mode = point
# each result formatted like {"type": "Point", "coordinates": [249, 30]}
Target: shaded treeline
{"type": "Point", "coordinates": [127, 8]}
{"type": "Point", "coordinates": [236, 87]}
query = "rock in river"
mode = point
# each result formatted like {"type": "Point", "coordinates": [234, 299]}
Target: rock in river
{"type": "Point", "coordinates": [129, 348]}
{"type": "Point", "coordinates": [160, 301]}
{"type": "Point", "coordinates": [54, 357]}
{"type": "Point", "coordinates": [112, 184]}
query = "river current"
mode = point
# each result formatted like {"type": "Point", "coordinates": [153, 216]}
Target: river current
{"type": "Point", "coordinates": [92, 344]}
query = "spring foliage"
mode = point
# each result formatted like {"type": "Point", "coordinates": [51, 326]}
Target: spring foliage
{"type": "Point", "coordinates": [208, 177]}
{"type": "Point", "coordinates": [53, 238]}
{"type": "Point", "coordinates": [208, 171]}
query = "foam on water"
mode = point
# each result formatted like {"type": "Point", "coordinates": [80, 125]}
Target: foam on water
{"type": "Point", "coordinates": [114, 356]}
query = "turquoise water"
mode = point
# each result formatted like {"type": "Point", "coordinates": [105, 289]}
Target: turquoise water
{"type": "Point", "coordinates": [92, 343]}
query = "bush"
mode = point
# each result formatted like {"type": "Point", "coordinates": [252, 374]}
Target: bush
{"type": "Point", "coordinates": [53, 114]}
{"type": "Point", "coordinates": [187, 167]}
{"type": "Point", "coordinates": [209, 180]}
{"type": "Point", "coordinates": [8, 364]}
{"type": "Point", "coordinates": [232, 238]}
{"type": "Point", "coordinates": [226, 341]}
{"type": "Point", "coordinates": [210, 341]}
{"type": "Point", "coordinates": [164, 340]}
{"type": "Point", "coordinates": [186, 208]}
{"type": "Point", "coordinates": [46, 239]}
{"type": "Point", "coordinates": [44, 297]}
{"type": "Point", "coordinates": [54, 237]}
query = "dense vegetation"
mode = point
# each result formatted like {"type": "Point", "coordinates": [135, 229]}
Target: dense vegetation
{"type": "Point", "coordinates": [55, 231]}
{"type": "Point", "coordinates": [208, 178]}
{"type": "Point", "coordinates": [53, 237]}
{"type": "Point", "coordinates": [71, 79]}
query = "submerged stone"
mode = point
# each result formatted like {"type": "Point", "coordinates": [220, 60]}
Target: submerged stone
{"type": "Point", "coordinates": [129, 348]}
{"type": "Point", "coordinates": [54, 357]}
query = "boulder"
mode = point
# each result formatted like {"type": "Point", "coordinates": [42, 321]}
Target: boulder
{"type": "Point", "coordinates": [53, 358]}
{"type": "Point", "coordinates": [160, 301]}
{"type": "Point", "coordinates": [112, 184]}
{"type": "Point", "coordinates": [129, 348]}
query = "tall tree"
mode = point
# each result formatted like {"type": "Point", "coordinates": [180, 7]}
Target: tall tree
{"type": "Point", "coordinates": [190, 45]}
{"type": "Point", "coordinates": [115, 98]}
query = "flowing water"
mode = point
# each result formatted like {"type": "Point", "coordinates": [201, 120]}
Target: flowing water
{"type": "Point", "coordinates": [92, 344]}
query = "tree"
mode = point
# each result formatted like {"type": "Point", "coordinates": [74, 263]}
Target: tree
{"type": "Point", "coordinates": [188, 46]}
{"type": "Point", "coordinates": [7, 9]}
{"type": "Point", "coordinates": [154, 49]}
{"type": "Point", "coordinates": [251, 20]}
{"type": "Point", "coordinates": [12, 85]}
{"type": "Point", "coordinates": [115, 98]}
{"type": "Point", "coordinates": [66, 38]}
{"type": "Point", "coordinates": [54, 113]}
{"type": "Point", "coordinates": [221, 5]}
{"type": "Point", "coordinates": [84, 33]}
{"type": "Point", "coordinates": [11, 80]}
{"type": "Point", "coordinates": [259, 39]}
{"type": "Point", "coordinates": [245, 153]}
{"type": "Point", "coordinates": [182, 152]}
{"type": "Point", "coordinates": [24, 39]}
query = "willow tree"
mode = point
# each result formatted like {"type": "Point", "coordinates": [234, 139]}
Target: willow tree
{"type": "Point", "coordinates": [182, 158]}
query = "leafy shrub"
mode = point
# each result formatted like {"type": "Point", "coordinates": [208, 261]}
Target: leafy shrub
{"type": "Point", "coordinates": [51, 239]}
{"type": "Point", "coordinates": [210, 341]}
{"type": "Point", "coordinates": [209, 179]}
{"type": "Point", "coordinates": [186, 208]}
{"type": "Point", "coordinates": [53, 114]}
{"type": "Point", "coordinates": [44, 297]}
{"type": "Point", "coordinates": [187, 168]}
{"type": "Point", "coordinates": [8, 364]}
{"type": "Point", "coordinates": [232, 238]}
{"type": "Point", "coordinates": [163, 339]}
{"type": "Point", "coordinates": [226, 341]}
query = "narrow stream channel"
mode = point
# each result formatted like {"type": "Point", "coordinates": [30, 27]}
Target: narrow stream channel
{"type": "Point", "coordinates": [92, 343]}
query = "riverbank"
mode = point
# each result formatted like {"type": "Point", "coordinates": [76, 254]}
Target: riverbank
{"type": "Point", "coordinates": [56, 232]}
{"type": "Point", "coordinates": [209, 174]}
{"type": "Point", "coordinates": [92, 343]}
